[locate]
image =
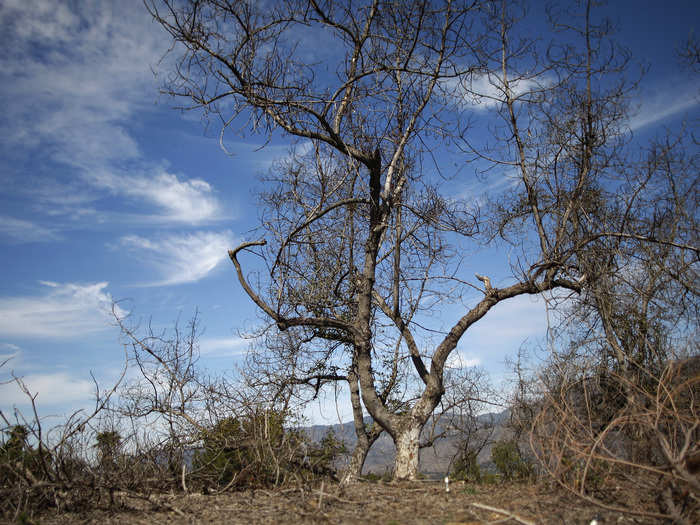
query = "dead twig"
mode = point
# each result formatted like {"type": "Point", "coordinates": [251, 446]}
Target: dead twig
{"type": "Point", "coordinates": [504, 512]}
{"type": "Point", "coordinates": [321, 494]}
{"type": "Point", "coordinates": [155, 502]}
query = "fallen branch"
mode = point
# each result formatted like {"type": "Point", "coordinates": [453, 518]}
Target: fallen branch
{"type": "Point", "coordinates": [504, 512]}
{"type": "Point", "coordinates": [321, 494]}
{"type": "Point", "coordinates": [158, 503]}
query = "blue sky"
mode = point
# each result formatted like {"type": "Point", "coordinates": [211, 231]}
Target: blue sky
{"type": "Point", "coordinates": [108, 193]}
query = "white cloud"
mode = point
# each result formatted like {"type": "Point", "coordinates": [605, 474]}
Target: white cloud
{"type": "Point", "coordinates": [512, 321]}
{"type": "Point", "coordinates": [459, 359]}
{"type": "Point", "coordinates": [486, 91]}
{"type": "Point", "coordinates": [189, 201]}
{"type": "Point", "coordinates": [330, 407]}
{"type": "Point", "coordinates": [182, 258]}
{"type": "Point", "coordinates": [52, 389]}
{"type": "Point", "coordinates": [223, 346]}
{"type": "Point", "coordinates": [49, 20]}
{"type": "Point", "coordinates": [77, 75]}
{"type": "Point", "coordinates": [73, 200]}
{"type": "Point", "coordinates": [477, 191]}
{"type": "Point", "coordinates": [63, 311]}
{"type": "Point", "coordinates": [502, 331]}
{"type": "Point", "coordinates": [9, 352]}
{"type": "Point", "coordinates": [25, 231]}
{"type": "Point", "coordinates": [656, 108]}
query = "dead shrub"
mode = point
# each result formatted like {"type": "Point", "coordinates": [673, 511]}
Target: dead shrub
{"type": "Point", "coordinates": [625, 444]}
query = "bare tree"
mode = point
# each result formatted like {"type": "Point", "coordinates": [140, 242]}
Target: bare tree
{"type": "Point", "coordinates": [167, 392]}
{"type": "Point", "coordinates": [615, 405]}
{"type": "Point", "coordinates": [356, 240]}
{"type": "Point", "coordinates": [316, 262]}
{"type": "Point", "coordinates": [626, 223]}
{"type": "Point", "coordinates": [689, 53]}
{"type": "Point", "coordinates": [467, 415]}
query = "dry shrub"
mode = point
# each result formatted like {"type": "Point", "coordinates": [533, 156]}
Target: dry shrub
{"type": "Point", "coordinates": [258, 450]}
{"type": "Point", "coordinates": [86, 467]}
{"type": "Point", "coordinates": [625, 442]}
{"type": "Point", "coordinates": [171, 427]}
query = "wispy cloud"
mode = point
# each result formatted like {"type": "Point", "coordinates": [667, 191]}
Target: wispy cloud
{"type": "Point", "coordinates": [190, 201]}
{"type": "Point", "coordinates": [512, 321]}
{"type": "Point", "coordinates": [458, 359]}
{"type": "Point", "coordinates": [223, 346]}
{"type": "Point", "coordinates": [77, 75]}
{"type": "Point", "coordinates": [52, 389]}
{"type": "Point", "coordinates": [486, 91]}
{"type": "Point", "coordinates": [655, 108]}
{"type": "Point", "coordinates": [478, 190]}
{"type": "Point", "coordinates": [9, 352]}
{"type": "Point", "coordinates": [20, 230]}
{"type": "Point", "coordinates": [79, 67]}
{"type": "Point", "coordinates": [60, 200]}
{"type": "Point", "coordinates": [66, 310]}
{"type": "Point", "coordinates": [181, 258]}
{"type": "Point", "coordinates": [506, 327]}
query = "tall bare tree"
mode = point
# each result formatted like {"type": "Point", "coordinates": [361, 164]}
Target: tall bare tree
{"type": "Point", "coordinates": [359, 241]}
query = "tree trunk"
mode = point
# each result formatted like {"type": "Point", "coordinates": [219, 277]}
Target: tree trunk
{"type": "Point", "coordinates": [354, 469]}
{"type": "Point", "coordinates": [406, 464]}
{"type": "Point", "coordinates": [365, 437]}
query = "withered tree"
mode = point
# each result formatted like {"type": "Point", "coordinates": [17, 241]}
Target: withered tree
{"type": "Point", "coordinates": [318, 264]}
{"type": "Point", "coordinates": [365, 117]}
{"type": "Point", "coordinates": [617, 410]}
{"type": "Point", "coordinates": [618, 407]}
{"type": "Point", "coordinates": [359, 240]}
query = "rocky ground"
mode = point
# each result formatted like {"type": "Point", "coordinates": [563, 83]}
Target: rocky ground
{"type": "Point", "coordinates": [424, 502]}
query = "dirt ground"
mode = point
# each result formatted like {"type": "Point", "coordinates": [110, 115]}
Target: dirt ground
{"type": "Point", "coordinates": [366, 503]}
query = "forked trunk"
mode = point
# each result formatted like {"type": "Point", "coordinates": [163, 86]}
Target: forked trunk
{"type": "Point", "coordinates": [406, 464]}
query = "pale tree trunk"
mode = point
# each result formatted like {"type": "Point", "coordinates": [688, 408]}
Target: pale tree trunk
{"type": "Point", "coordinates": [406, 464]}
{"type": "Point", "coordinates": [354, 469]}
{"type": "Point", "coordinates": [407, 439]}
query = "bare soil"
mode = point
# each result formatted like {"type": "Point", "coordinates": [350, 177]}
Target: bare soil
{"type": "Point", "coordinates": [366, 503]}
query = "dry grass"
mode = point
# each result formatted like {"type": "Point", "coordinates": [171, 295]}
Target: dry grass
{"type": "Point", "coordinates": [381, 503]}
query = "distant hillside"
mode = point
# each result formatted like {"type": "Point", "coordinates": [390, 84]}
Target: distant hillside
{"type": "Point", "coordinates": [434, 461]}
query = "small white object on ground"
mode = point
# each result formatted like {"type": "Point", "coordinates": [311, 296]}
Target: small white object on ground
{"type": "Point", "coordinates": [447, 485]}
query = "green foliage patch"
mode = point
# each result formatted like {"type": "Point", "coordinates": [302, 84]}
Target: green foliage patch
{"type": "Point", "coordinates": [259, 451]}
{"type": "Point", "coordinates": [509, 462]}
